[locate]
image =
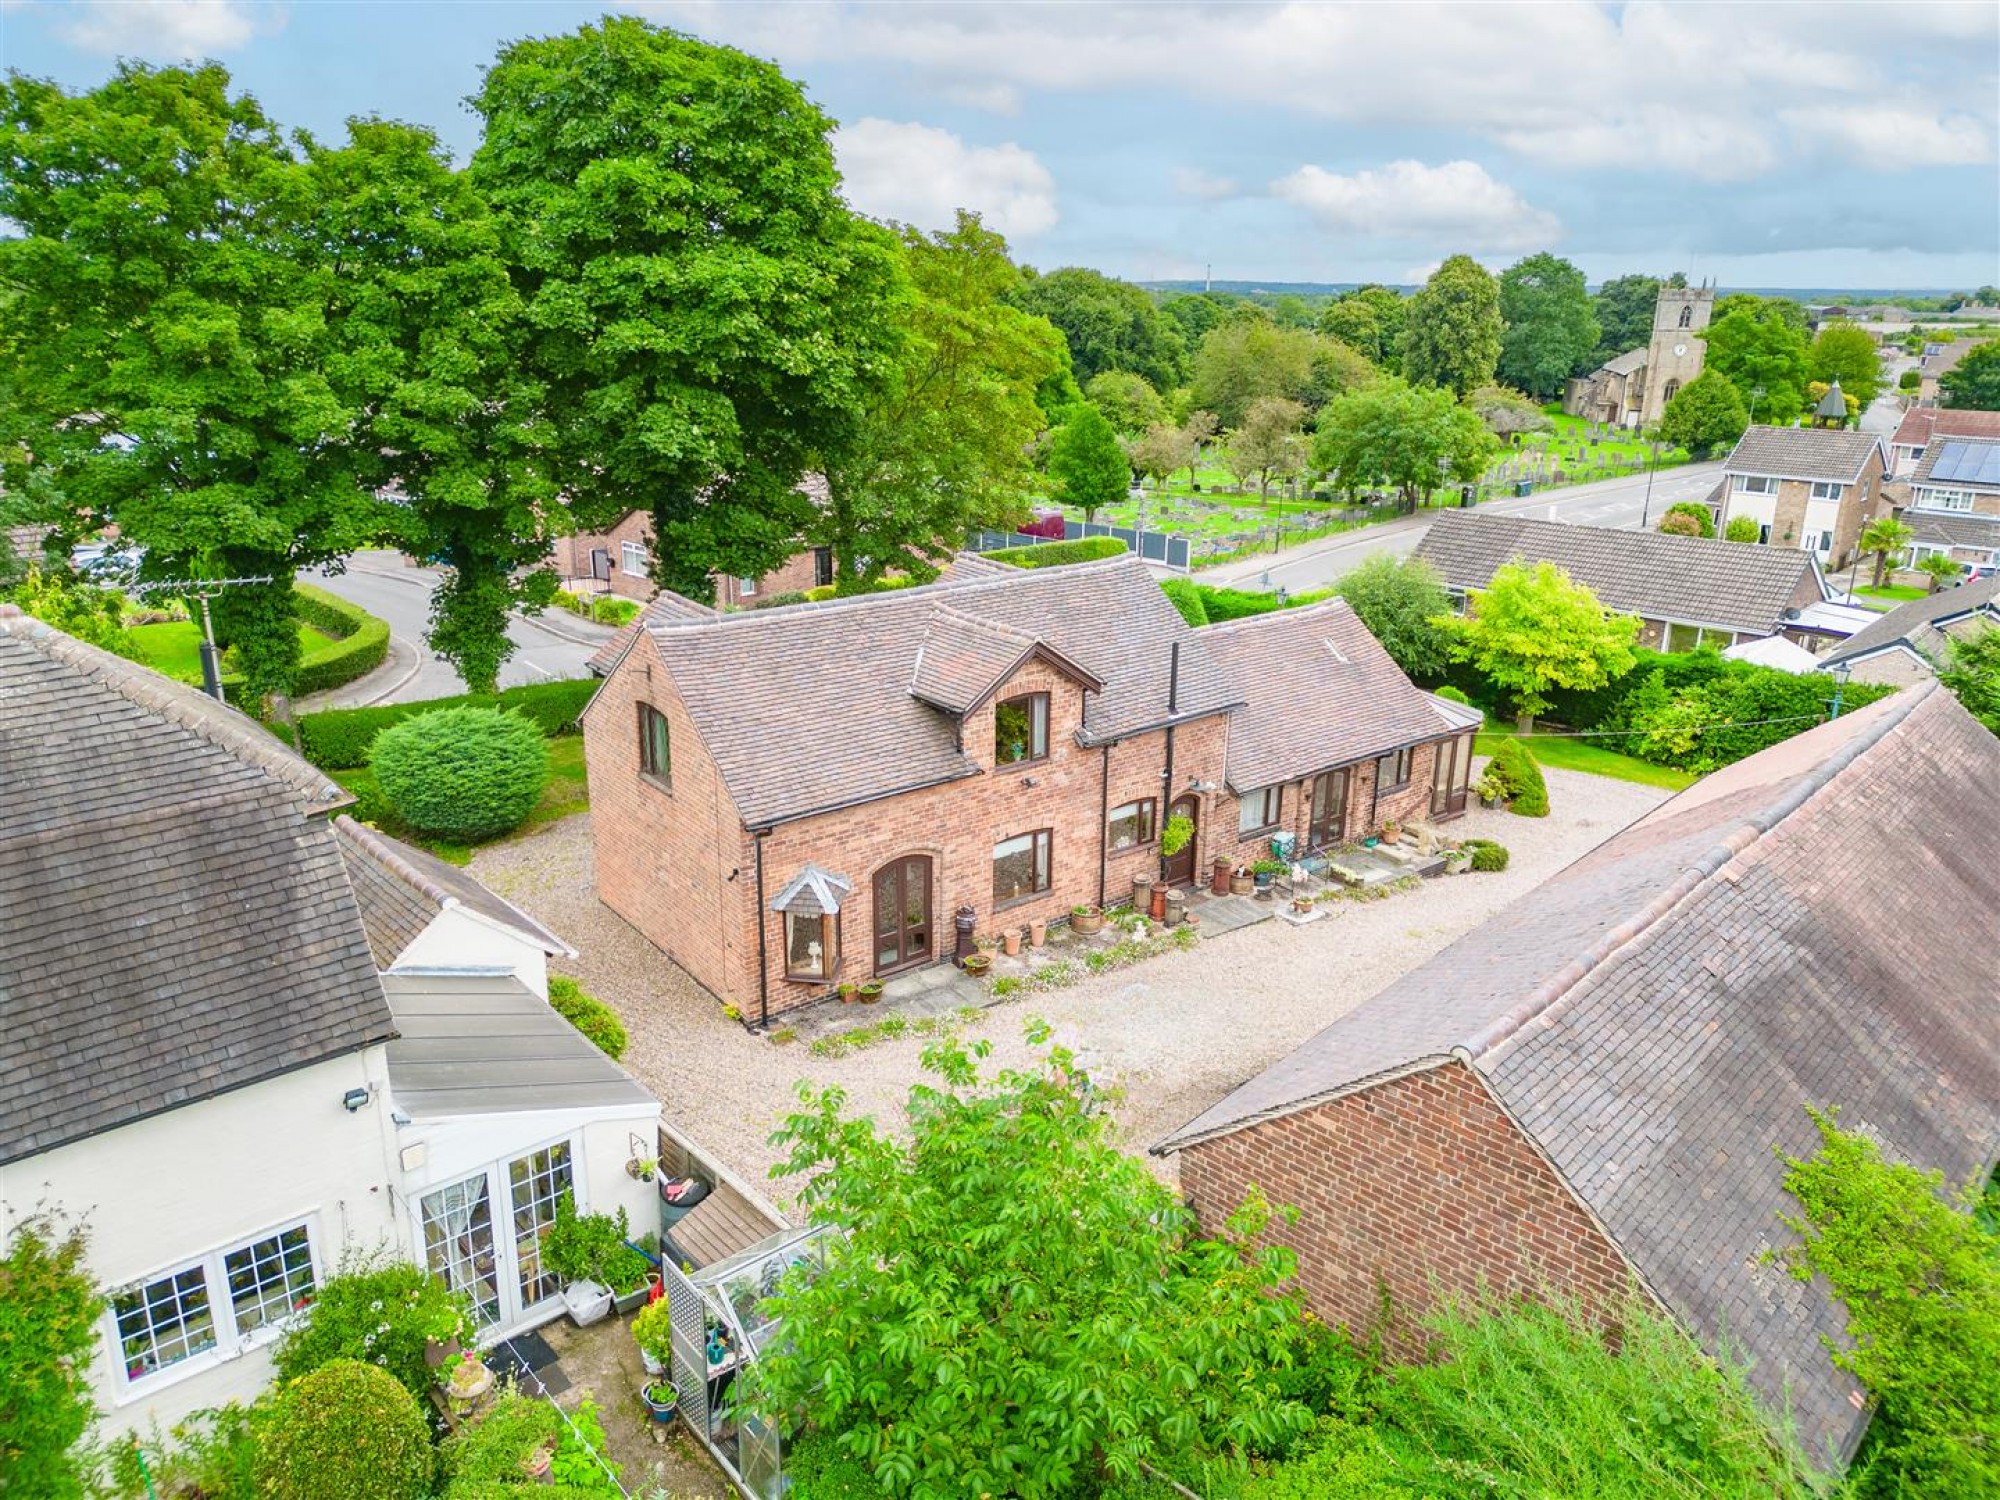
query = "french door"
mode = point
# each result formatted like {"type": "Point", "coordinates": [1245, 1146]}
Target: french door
{"type": "Point", "coordinates": [903, 913]}
{"type": "Point", "coordinates": [1329, 810]}
{"type": "Point", "coordinates": [482, 1235]}
{"type": "Point", "coordinates": [1451, 777]}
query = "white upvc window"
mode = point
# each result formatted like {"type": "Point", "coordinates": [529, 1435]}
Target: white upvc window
{"type": "Point", "coordinates": [211, 1308]}
{"type": "Point", "coordinates": [1827, 489]}
{"type": "Point", "coordinates": [632, 557]}
{"type": "Point", "coordinates": [746, 588]}
{"type": "Point", "coordinates": [1937, 499]}
{"type": "Point", "coordinates": [1756, 484]}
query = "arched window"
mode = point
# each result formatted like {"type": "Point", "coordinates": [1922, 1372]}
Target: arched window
{"type": "Point", "coordinates": [1687, 315]}
{"type": "Point", "coordinates": [1667, 393]}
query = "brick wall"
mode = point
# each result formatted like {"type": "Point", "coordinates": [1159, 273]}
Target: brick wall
{"type": "Point", "coordinates": [1364, 815]}
{"type": "Point", "coordinates": [795, 575]}
{"type": "Point", "coordinates": [1421, 1184]}
{"type": "Point", "coordinates": [570, 556]}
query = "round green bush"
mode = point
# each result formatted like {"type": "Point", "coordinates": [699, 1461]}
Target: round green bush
{"type": "Point", "coordinates": [1452, 695]}
{"type": "Point", "coordinates": [1487, 855]}
{"type": "Point", "coordinates": [588, 1014]}
{"type": "Point", "coordinates": [464, 774]}
{"type": "Point", "coordinates": [347, 1431]}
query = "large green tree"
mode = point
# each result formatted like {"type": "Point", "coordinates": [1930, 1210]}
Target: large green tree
{"type": "Point", "coordinates": [1014, 1305]}
{"type": "Point", "coordinates": [1245, 360]}
{"type": "Point", "coordinates": [1109, 325]}
{"type": "Point", "coordinates": [1531, 631]}
{"type": "Point", "coordinates": [1705, 414]}
{"type": "Point", "coordinates": [1087, 467]}
{"type": "Point", "coordinates": [1624, 308]}
{"type": "Point", "coordinates": [1756, 345]}
{"type": "Point", "coordinates": [1407, 437]}
{"type": "Point", "coordinates": [706, 319]}
{"type": "Point", "coordinates": [1192, 314]}
{"type": "Point", "coordinates": [944, 442]}
{"type": "Point", "coordinates": [1886, 537]}
{"type": "Point", "coordinates": [170, 340]}
{"type": "Point", "coordinates": [1369, 318]}
{"type": "Point", "coordinates": [1451, 334]}
{"type": "Point", "coordinates": [1848, 354]}
{"type": "Point", "coordinates": [428, 346]}
{"type": "Point", "coordinates": [1973, 673]}
{"type": "Point", "coordinates": [1974, 382]}
{"type": "Point", "coordinates": [1551, 328]}
{"type": "Point", "coordinates": [1399, 599]}
{"type": "Point", "coordinates": [1266, 445]}
{"type": "Point", "coordinates": [1128, 401]}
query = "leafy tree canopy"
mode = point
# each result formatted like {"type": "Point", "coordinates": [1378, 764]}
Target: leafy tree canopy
{"type": "Point", "coordinates": [1267, 444]}
{"type": "Point", "coordinates": [1109, 324]}
{"type": "Point", "coordinates": [1087, 468]}
{"type": "Point", "coordinates": [1757, 345]}
{"type": "Point", "coordinates": [1399, 600]}
{"type": "Point", "coordinates": [1532, 631]}
{"type": "Point", "coordinates": [1974, 382]}
{"type": "Point", "coordinates": [1704, 415]}
{"type": "Point", "coordinates": [1393, 433]}
{"type": "Point", "coordinates": [49, 1309]}
{"type": "Point", "coordinates": [1624, 307]}
{"type": "Point", "coordinates": [1017, 1306]}
{"type": "Point", "coordinates": [1192, 314]}
{"type": "Point", "coordinates": [1973, 673]}
{"type": "Point", "coordinates": [1507, 412]}
{"type": "Point", "coordinates": [1162, 450]}
{"type": "Point", "coordinates": [706, 318]}
{"type": "Point", "coordinates": [1370, 319]}
{"type": "Point", "coordinates": [1129, 404]}
{"type": "Point", "coordinates": [1886, 537]}
{"type": "Point", "coordinates": [1843, 352]}
{"type": "Point", "coordinates": [1551, 329]}
{"type": "Point", "coordinates": [1452, 330]}
{"type": "Point", "coordinates": [1246, 360]}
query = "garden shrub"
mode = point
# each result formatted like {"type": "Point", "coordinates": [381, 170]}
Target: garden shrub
{"type": "Point", "coordinates": [1054, 554]}
{"type": "Point", "coordinates": [1453, 695]}
{"type": "Point", "coordinates": [1697, 515]}
{"type": "Point", "coordinates": [347, 1431]}
{"type": "Point", "coordinates": [1516, 768]}
{"type": "Point", "coordinates": [588, 1015]}
{"type": "Point", "coordinates": [1487, 857]}
{"type": "Point", "coordinates": [462, 773]}
{"type": "Point", "coordinates": [494, 1451]}
{"type": "Point", "coordinates": [1185, 596]}
{"type": "Point", "coordinates": [1221, 604]}
{"type": "Point", "coordinates": [48, 1327]}
{"type": "Point", "coordinates": [1740, 529]}
{"type": "Point", "coordinates": [208, 1455]}
{"type": "Point", "coordinates": [819, 1470]}
{"type": "Point", "coordinates": [382, 1311]}
{"type": "Point", "coordinates": [360, 640]}
{"type": "Point", "coordinates": [338, 739]}
{"type": "Point", "coordinates": [775, 601]}
{"type": "Point", "coordinates": [605, 609]}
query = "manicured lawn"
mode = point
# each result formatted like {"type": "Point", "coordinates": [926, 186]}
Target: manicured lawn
{"type": "Point", "coordinates": [1890, 594]}
{"type": "Point", "coordinates": [566, 793]}
{"type": "Point", "coordinates": [1567, 754]}
{"type": "Point", "coordinates": [174, 648]}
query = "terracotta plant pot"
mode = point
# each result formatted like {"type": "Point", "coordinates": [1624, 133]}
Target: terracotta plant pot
{"type": "Point", "coordinates": [847, 994]}
{"type": "Point", "coordinates": [870, 992]}
{"type": "Point", "coordinates": [976, 964]}
{"type": "Point", "coordinates": [1011, 941]}
{"type": "Point", "coordinates": [1302, 904]}
{"type": "Point", "coordinates": [1038, 932]}
{"type": "Point", "coordinates": [1225, 873]}
{"type": "Point", "coordinates": [1086, 920]}
{"type": "Point", "coordinates": [1158, 910]}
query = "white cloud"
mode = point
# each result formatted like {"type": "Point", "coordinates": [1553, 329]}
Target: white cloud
{"type": "Point", "coordinates": [922, 175]}
{"type": "Point", "coordinates": [170, 29]}
{"type": "Point", "coordinates": [1406, 200]}
{"type": "Point", "coordinates": [1193, 182]}
{"type": "Point", "coordinates": [1887, 137]}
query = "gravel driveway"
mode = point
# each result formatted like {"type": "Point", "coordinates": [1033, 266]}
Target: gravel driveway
{"type": "Point", "coordinates": [1178, 1031]}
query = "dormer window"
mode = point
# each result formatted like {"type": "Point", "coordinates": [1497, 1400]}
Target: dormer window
{"type": "Point", "coordinates": [1021, 730]}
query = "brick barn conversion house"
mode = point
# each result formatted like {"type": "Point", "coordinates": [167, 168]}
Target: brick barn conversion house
{"type": "Point", "coordinates": [786, 799]}
{"type": "Point", "coordinates": [1587, 1090]}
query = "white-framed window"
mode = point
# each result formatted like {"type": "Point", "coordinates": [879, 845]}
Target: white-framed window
{"type": "Point", "coordinates": [632, 557]}
{"type": "Point", "coordinates": [746, 588]}
{"type": "Point", "coordinates": [1259, 809]}
{"type": "Point", "coordinates": [1756, 484]}
{"type": "Point", "coordinates": [1930, 499]}
{"type": "Point", "coordinates": [1827, 489]}
{"type": "Point", "coordinates": [1820, 542]}
{"type": "Point", "coordinates": [216, 1305]}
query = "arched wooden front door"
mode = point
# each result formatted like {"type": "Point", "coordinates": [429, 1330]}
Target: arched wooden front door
{"type": "Point", "coordinates": [903, 934]}
{"type": "Point", "coordinates": [1180, 867]}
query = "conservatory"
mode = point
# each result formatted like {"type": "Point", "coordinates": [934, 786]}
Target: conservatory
{"type": "Point", "coordinates": [719, 1328]}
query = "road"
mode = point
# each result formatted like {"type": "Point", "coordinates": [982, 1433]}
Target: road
{"type": "Point", "coordinates": [382, 585]}
{"type": "Point", "coordinates": [1607, 502]}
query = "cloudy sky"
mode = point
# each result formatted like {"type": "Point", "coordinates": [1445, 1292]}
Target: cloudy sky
{"type": "Point", "coordinates": [1797, 144]}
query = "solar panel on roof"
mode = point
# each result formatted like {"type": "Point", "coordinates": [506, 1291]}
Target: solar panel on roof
{"type": "Point", "coordinates": [1969, 463]}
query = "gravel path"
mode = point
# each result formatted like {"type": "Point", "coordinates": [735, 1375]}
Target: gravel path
{"type": "Point", "coordinates": [1177, 1032]}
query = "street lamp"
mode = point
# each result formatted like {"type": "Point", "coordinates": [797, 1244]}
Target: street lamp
{"type": "Point", "coordinates": [1839, 672]}
{"type": "Point", "coordinates": [1652, 468]}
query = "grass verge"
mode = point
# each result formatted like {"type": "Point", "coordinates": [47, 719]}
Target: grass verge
{"type": "Point", "coordinates": [1583, 755]}
{"type": "Point", "coordinates": [566, 793]}
{"type": "Point", "coordinates": [173, 648]}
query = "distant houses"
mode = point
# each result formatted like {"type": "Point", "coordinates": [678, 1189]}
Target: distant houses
{"type": "Point", "coordinates": [1922, 423]}
{"type": "Point", "coordinates": [1586, 1093]}
{"type": "Point", "coordinates": [1913, 641]}
{"type": "Point", "coordinates": [1953, 508]}
{"type": "Point", "coordinates": [1814, 488]}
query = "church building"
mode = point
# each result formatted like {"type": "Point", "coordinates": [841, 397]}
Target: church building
{"type": "Point", "coordinates": [1633, 389]}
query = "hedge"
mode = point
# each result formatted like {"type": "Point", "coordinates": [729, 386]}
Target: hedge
{"type": "Point", "coordinates": [361, 640]}
{"type": "Point", "coordinates": [1054, 554]}
{"type": "Point", "coordinates": [1186, 597]}
{"type": "Point", "coordinates": [338, 739]}
{"type": "Point", "coordinates": [587, 1014]}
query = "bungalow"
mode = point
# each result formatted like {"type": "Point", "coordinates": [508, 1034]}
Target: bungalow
{"type": "Point", "coordinates": [1810, 487]}
{"type": "Point", "coordinates": [1913, 640]}
{"type": "Point", "coordinates": [1585, 1092]}
{"type": "Point", "coordinates": [244, 1036]}
{"type": "Point", "coordinates": [1922, 423]}
{"type": "Point", "coordinates": [1954, 504]}
{"type": "Point", "coordinates": [790, 798]}
{"type": "Point", "coordinates": [1686, 591]}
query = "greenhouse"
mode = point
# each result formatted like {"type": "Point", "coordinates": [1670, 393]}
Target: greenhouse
{"type": "Point", "coordinates": [719, 1330]}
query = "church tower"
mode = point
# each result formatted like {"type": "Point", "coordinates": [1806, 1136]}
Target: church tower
{"type": "Point", "coordinates": [1674, 357]}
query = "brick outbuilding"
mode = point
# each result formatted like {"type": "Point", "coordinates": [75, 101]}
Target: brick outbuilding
{"type": "Point", "coordinates": [1586, 1092]}
{"type": "Point", "coordinates": [791, 798]}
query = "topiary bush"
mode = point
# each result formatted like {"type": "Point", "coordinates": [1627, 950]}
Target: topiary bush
{"type": "Point", "coordinates": [588, 1015]}
{"type": "Point", "coordinates": [1527, 792]}
{"type": "Point", "coordinates": [1054, 554]}
{"type": "Point", "coordinates": [339, 739]}
{"type": "Point", "coordinates": [383, 1312]}
{"type": "Point", "coordinates": [1487, 856]}
{"type": "Point", "coordinates": [347, 1431]}
{"type": "Point", "coordinates": [465, 774]}
{"type": "Point", "coordinates": [1452, 695]}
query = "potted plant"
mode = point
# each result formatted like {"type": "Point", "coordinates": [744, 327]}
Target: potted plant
{"type": "Point", "coordinates": [653, 1332]}
{"type": "Point", "coordinates": [976, 964]}
{"type": "Point", "coordinates": [1010, 939]}
{"type": "Point", "coordinates": [846, 989]}
{"type": "Point", "coordinates": [1174, 837]}
{"type": "Point", "coordinates": [1086, 920]}
{"type": "Point", "coordinates": [536, 1464]}
{"type": "Point", "coordinates": [466, 1380]}
{"type": "Point", "coordinates": [1264, 872]}
{"type": "Point", "coordinates": [628, 1272]}
{"type": "Point", "coordinates": [642, 1168]}
{"type": "Point", "coordinates": [1392, 831]}
{"type": "Point", "coordinates": [1302, 904]}
{"type": "Point", "coordinates": [1490, 788]}
{"type": "Point", "coordinates": [662, 1400]}
{"type": "Point", "coordinates": [1242, 881]}
{"type": "Point", "coordinates": [576, 1250]}
{"type": "Point", "coordinates": [870, 990]}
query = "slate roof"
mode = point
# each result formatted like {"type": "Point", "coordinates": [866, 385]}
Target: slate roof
{"type": "Point", "coordinates": [1628, 363]}
{"type": "Point", "coordinates": [1321, 693]}
{"type": "Point", "coordinates": [1957, 450]}
{"type": "Point", "coordinates": [471, 1044]}
{"type": "Point", "coordinates": [1696, 580]}
{"type": "Point", "coordinates": [664, 608]}
{"type": "Point", "coordinates": [1802, 453]}
{"type": "Point", "coordinates": [813, 892]}
{"type": "Point", "coordinates": [1921, 423]}
{"type": "Point", "coordinates": [1918, 623]}
{"type": "Point", "coordinates": [1657, 1016]}
{"type": "Point", "coordinates": [1956, 529]}
{"type": "Point", "coordinates": [400, 891]}
{"type": "Point", "coordinates": [175, 921]}
{"type": "Point", "coordinates": [807, 707]}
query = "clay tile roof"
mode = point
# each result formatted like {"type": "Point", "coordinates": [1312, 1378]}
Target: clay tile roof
{"type": "Point", "coordinates": [971, 565]}
{"type": "Point", "coordinates": [1922, 423]}
{"type": "Point", "coordinates": [1658, 1016]}
{"type": "Point", "coordinates": [664, 608]}
{"type": "Point", "coordinates": [1696, 580]}
{"type": "Point", "coordinates": [963, 659]}
{"type": "Point", "coordinates": [401, 889]}
{"type": "Point", "coordinates": [1321, 693]}
{"type": "Point", "coordinates": [808, 707]}
{"type": "Point", "coordinates": [1917, 622]}
{"type": "Point", "coordinates": [175, 921]}
{"type": "Point", "coordinates": [1802, 453]}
